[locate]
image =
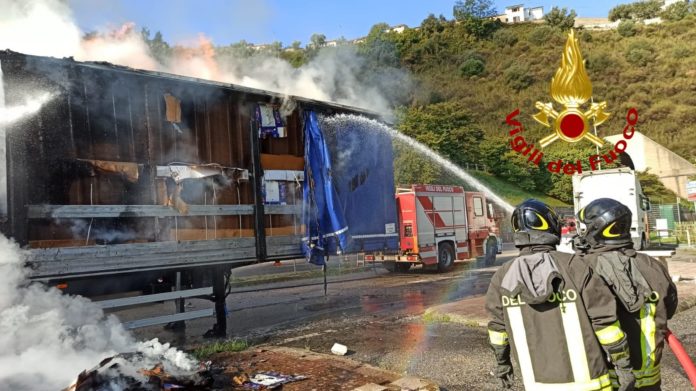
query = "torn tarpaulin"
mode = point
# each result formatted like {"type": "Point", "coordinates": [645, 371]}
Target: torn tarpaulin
{"type": "Point", "coordinates": [177, 173]}
{"type": "Point", "coordinates": [181, 171]}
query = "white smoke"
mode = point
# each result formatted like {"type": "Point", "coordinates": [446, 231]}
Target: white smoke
{"type": "Point", "coordinates": [32, 105]}
{"type": "Point", "coordinates": [48, 338]}
{"type": "Point", "coordinates": [47, 27]}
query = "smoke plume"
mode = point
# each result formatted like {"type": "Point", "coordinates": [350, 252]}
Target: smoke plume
{"type": "Point", "coordinates": [47, 338]}
{"type": "Point", "coordinates": [48, 28]}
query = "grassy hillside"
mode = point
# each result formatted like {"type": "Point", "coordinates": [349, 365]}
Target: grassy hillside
{"type": "Point", "coordinates": [651, 68]}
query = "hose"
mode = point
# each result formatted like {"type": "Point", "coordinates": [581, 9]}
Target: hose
{"type": "Point", "coordinates": [682, 356]}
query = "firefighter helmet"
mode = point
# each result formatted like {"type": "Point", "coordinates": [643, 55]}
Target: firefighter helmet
{"type": "Point", "coordinates": [534, 222]}
{"type": "Point", "coordinates": [606, 221]}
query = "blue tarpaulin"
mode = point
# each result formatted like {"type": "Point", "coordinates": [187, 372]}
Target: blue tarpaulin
{"type": "Point", "coordinates": [363, 175]}
{"type": "Point", "coordinates": [326, 230]}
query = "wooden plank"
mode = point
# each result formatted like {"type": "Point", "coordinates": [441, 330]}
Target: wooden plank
{"type": "Point", "coordinates": [110, 211]}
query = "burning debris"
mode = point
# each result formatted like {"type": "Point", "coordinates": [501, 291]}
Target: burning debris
{"type": "Point", "coordinates": [116, 373]}
{"type": "Point", "coordinates": [153, 367]}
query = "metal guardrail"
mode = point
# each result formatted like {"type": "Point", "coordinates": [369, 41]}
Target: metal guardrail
{"type": "Point", "coordinates": [144, 299]}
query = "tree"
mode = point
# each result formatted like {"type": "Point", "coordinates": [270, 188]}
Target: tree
{"type": "Point", "coordinates": [638, 10]}
{"type": "Point", "coordinates": [317, 40]}
{"type": "Point", "coordinates": [473, 9]}
{"type": "Point", "coordinates": [158, 47]}
{"type": "Point", "coordinates": [476, 17]}
{"type": "Point", "coordinates": [676, 11]}
{"type": "Point", "coordinates": [561, 18]}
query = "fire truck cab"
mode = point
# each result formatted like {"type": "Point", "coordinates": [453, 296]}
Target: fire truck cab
{"type": "Point", "coordinates": [437, 226]}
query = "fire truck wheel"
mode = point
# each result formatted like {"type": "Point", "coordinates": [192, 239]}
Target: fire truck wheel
{"type": "Point", "coordinates": [445, 257]}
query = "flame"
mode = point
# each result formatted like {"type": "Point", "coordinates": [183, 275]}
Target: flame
{"type": "Point", "coordinates": [571, 86]}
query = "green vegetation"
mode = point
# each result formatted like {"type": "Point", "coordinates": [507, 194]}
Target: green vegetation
{"type": "Point", "coordinates": [560, 18]}
{"type": "Point", "coordinates": [230, 345]}
{"type": "Point", "coordinates": [638, 10]}
{"type": "Point", "coordinates": [434, 317]}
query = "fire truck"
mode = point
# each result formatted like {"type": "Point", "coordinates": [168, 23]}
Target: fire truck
{"type": "Point", "coordinates": [437, 226]}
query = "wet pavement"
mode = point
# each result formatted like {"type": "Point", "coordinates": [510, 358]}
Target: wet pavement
{"type": "Point", "coordinates": [378, 316]}
{"type": "Point", "coordinates": [255, 313]}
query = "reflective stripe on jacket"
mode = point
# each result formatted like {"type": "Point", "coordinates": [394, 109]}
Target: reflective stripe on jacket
{"type": "Point", "coordinates": [646, 327]}
{"type": "Point", "coordinates": [555, 338]}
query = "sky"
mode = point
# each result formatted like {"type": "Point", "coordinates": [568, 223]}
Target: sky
{"type": "Point", "coordinates": [266, 21]}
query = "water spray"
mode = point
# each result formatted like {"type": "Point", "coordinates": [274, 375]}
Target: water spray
{"type": "Point", "coordinates": [424, 150]}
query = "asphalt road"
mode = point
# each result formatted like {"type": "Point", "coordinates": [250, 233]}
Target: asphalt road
{"type": "Point", "coordinates": [258, 312]}
{"type": "Point", "coordinates": [378, 316]}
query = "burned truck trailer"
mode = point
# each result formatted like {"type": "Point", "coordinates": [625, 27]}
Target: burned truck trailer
{"type": "Point", "coordinates": [122, 173]}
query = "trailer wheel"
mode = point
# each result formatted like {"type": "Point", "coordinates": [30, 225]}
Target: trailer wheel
{"type": "Point", "coordinates": [445, 257]}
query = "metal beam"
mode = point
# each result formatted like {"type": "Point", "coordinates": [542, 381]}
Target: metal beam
{"type": "Point", "coordinates": [112, 211]}
{"type": "Point", "coordinates": [169, 318]}
{"type": "Point", "coordinates": [282, 209]}
{"type": "Point", "coordinates": [143, 299]}
{"type": "Point", "coordinates": [107, 211]}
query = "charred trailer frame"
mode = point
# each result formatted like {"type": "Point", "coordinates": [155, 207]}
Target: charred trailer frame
{"type": "Point", "coordinates": [125, 171]}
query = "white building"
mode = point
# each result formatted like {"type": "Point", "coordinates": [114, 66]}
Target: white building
{"type": "Point", "coordinates": [518, 13]}
{"type": "Point", "coordinates": [673, 170]}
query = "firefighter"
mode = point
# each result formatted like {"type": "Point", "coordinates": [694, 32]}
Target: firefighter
{"type": "Point", "coordinates": [646, 296]}
{"type": "Point", "coordinates": [490, 246]}
{"type": "Point", "coordinates": [559, 318]}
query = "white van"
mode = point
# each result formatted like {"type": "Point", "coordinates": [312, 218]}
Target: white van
{"type": "Point", "coordinates": [622, 185]}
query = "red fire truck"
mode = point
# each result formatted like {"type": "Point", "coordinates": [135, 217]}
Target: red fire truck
{"type": "Point", "coordinates": [438, 225]}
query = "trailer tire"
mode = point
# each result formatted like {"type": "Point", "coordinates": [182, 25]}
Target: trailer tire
{"type": "Point", "coordinates": [445, 257]}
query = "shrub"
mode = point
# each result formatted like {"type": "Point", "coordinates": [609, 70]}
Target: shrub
{"type": "Point", "coordinates": [599, 61]}
{"type": "Point", "coordinates": [518, 78]}
{"type": "Point", "coordinates": [627, 28]}
{"type": "Point", "coordinates": [542, 34]}
{"type": "Point", "coordinates": [640, 53]}
{"type": "Point", "coordinates": [585, 36]}
{"type": "Point", "coordinates": [505, 37]}
{"type": "Point", "coordinates": [681, 51]}
{"type": "Point", "coordinates": [472, 67]}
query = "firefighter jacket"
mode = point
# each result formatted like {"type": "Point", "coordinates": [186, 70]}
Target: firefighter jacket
{"type": "Point", "coordinates": [555, 313]}
{"type": "Point", "coordinates": [646, 299]}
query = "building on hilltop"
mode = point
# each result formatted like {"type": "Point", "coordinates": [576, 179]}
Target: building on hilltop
{"type": "Point", "coordinates": [518, 13]}
{"type": "Point", "coordinates": [646, 154]}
